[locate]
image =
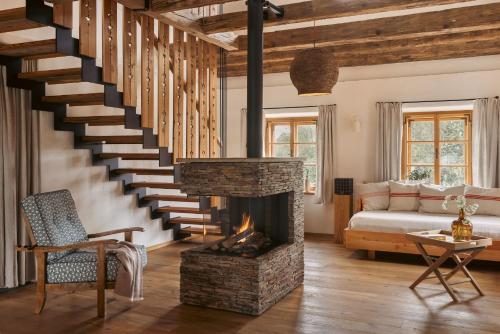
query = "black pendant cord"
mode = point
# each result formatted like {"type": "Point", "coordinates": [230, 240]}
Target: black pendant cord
{"type": "Point", "coordinates": [315, 34]}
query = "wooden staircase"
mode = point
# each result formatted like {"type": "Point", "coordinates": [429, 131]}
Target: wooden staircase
{"type": "Point", "coordinates": [170, 206]}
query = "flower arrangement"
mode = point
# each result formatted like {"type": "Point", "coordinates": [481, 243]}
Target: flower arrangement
{"type": "Point", "coordinates": [461, 229]}
{"type": "Point", "coordinates": [461, 202]}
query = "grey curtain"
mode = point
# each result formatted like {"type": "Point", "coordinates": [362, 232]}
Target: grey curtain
{"type": "Point", "coordinates": [486, 143]}
{"type": "Point", "coordinates": [326, 154]}
{"type": "Point", "coordinates": [389, 141]}
{"type": "Point", "coordinates": [19, 177]}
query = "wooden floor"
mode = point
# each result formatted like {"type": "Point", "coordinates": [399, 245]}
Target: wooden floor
{"type": "Point", "coordinates": [343, 292]}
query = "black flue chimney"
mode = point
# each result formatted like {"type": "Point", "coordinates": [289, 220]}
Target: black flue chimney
{"type": "Point", "coordinates": [254, 78]}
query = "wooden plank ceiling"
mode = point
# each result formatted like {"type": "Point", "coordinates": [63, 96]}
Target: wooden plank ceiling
{"type": "Point", "coordinates": [439, 29]}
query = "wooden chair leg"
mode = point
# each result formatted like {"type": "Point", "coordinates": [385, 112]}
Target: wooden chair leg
{"type": "Point", "coordinates": [101, 281]}
{"type": "Point", "coordinates": [41, 292]}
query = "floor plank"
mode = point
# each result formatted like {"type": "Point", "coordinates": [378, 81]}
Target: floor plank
{"type": "Point", "coordinates": [344, 292]}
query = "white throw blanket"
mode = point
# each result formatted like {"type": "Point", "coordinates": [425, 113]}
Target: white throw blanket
{"type": "Point", "coordinates": [129, 276]}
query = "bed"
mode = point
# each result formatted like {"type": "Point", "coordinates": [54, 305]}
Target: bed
{"type": "Point", "coordinates": [385, 231]}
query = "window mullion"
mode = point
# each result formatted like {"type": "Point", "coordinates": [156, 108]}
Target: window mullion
{"type": "Point", "coordinates": [437, 132]}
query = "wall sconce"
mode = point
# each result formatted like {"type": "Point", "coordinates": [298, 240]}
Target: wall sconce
{"type": "Point", "coordinates": [356, 124]}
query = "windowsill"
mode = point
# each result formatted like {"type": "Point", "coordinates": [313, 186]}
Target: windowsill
{"type": "Point", "coordinates": [309, 193]}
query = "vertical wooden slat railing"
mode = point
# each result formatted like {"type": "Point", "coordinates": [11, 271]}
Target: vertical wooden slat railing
{"type": "Point", "coordinates": [178, 95]}
{"type": "Point", "coordinates": [202, 87]}
{"type": "Point", "coordinates": [129, 58]}
{"type": "Point", "coordinates": [214, 147]}
{"type": "Point", "coordinates": [147, 71]}
{"type": "Point", "coordinates": [191, 97]}
{"type": "Point", "coordinates": [192, 62]}
{"type": "Point", "coordinates": [109, 42]}
{"type": "Point", "coordinates": [163, 85]}
{"type": "Point", "coordinates": [63, 14]}
{"type": "Point", "coordinates": [88, 27]}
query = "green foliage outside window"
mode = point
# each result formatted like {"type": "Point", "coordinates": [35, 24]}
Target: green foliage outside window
{"type": "Point", "coordinates": [450, 146]}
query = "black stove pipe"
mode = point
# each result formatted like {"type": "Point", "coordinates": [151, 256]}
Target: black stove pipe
{"type": "Point", "coordinates": [255, 79]}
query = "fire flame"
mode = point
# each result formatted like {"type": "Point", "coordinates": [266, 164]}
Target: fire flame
{"type": "Point", "coordinates": [246, 223]}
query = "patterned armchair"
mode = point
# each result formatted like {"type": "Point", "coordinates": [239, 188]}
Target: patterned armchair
{"type": "Point", "coordinates": [66, 257]}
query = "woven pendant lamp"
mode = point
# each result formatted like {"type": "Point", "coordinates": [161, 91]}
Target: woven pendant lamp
{"type": "Point", "coordinates": [314, 71]}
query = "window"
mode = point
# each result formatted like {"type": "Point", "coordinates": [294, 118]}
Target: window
{"type": "Point", "coordinates": [437, 147]}
{"type": "Point", "coordinates": [294, 137]}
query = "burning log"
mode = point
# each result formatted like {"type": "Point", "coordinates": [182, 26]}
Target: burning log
{"type": "Point", "coordinates": [232, 240]}
{"type": "Point", "coordinates": [246, 242]}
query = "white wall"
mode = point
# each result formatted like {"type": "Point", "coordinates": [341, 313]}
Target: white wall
{"type": "Point", "coordinates": [355, 94]}
{"type": "Point", "coordinates": [101, 203]}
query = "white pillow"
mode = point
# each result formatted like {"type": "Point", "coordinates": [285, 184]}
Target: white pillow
{"type": "Point", "coordinates": [432, 198]}
{"type": "Point", "coordinates": [488, 199]}
{"type": "Point", "coordinates": [374, 196]}
{"type": "Point", "coordinates": [403, 197]}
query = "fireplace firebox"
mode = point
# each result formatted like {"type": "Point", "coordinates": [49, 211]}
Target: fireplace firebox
{"type": "Point", "coordinates": [261, 258]}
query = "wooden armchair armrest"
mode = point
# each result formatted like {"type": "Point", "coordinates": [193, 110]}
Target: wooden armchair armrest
{"type": "Point", "coordinates": [128, 233]}
{"type": "Point", "coordinates": [80, 245]}
{"type": "Point", "coordinates": [25, 248]}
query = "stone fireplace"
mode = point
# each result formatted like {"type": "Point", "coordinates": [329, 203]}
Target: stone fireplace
{"type": "Point", "coordinates": [269, 192]}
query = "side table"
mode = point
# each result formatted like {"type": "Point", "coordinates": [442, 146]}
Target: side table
{"type": "Point", "coordinates": [462, 252]}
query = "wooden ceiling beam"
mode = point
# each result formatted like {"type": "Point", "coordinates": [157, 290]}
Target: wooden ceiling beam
{"type": "Point", "coordinates": [390, 52]}
{"type": "Point", "coordinates": [164, 6]}
{"type": "Point", "coordinates": [237, 58]}
{"type": "Point", "coordinates": [131, 4]}
{"type": "Point", "coordinates": [444, 22]}
{"type": "Point", "coordinates": [322, 9]}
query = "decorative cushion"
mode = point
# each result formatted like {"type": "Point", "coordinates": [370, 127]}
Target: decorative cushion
{"type": "Point", "coordinates": [432, 197]}
{"type": "Point", "coordinates": [54, 220]}
{"type": "Point", "coordinates": [81, 266]}
{"type": "Point", "coordinates": [403, 197]}
{"type": "Point", "coordinates": [488, 199]}
{"type": "Point", "coordinates": [374, 196]}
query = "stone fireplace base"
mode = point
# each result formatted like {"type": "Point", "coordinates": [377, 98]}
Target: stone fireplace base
{"type": "Point", "coordinates": [239, 284]}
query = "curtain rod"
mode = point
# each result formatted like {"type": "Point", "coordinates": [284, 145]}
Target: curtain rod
{"type": "Point", "coordinates": [455, 100]}
{"type": "Point", "coordinates": [296, 107]}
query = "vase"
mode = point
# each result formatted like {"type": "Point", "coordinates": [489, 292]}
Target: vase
{"type": "Point", "coordinates": [461, 229]}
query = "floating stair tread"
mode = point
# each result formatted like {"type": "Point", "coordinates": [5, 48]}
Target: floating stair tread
{"type": "Point", "coordinates": [193, 221]}
{"type": "Point", "coordinates": [176, 209]}
{"type": "Point", "coordinates": [199, 230]}
{"type": "Point", "coordinates": [14, 19]}
{"type": "Point", "coordinates": [156, 185]}
{"type": "Point", "coordinates": [76, 99]}
{"type": "Point", "coordinates": [143, 171]}
{"type": "Point", "coordinates": [113, 139]}
{"type": "Point", "coordinates": [29, 49]}
{"type": "Point", "coordinates": [96, 120]}
{"type": "Point", "coordinates": [129, 156]}
{"type": "Point", "coordinates": [54, 76]}
{"type": "Point", "coordinates": [44, 56]}
{"type": "Point", "coordinates": [171, 198]}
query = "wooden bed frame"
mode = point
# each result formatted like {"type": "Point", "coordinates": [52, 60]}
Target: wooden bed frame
{"type": "Point", "coordinates": [397, 243]}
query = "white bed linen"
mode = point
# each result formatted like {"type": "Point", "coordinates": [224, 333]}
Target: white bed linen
{"type": "Point", "coordinates": [411, 221]}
